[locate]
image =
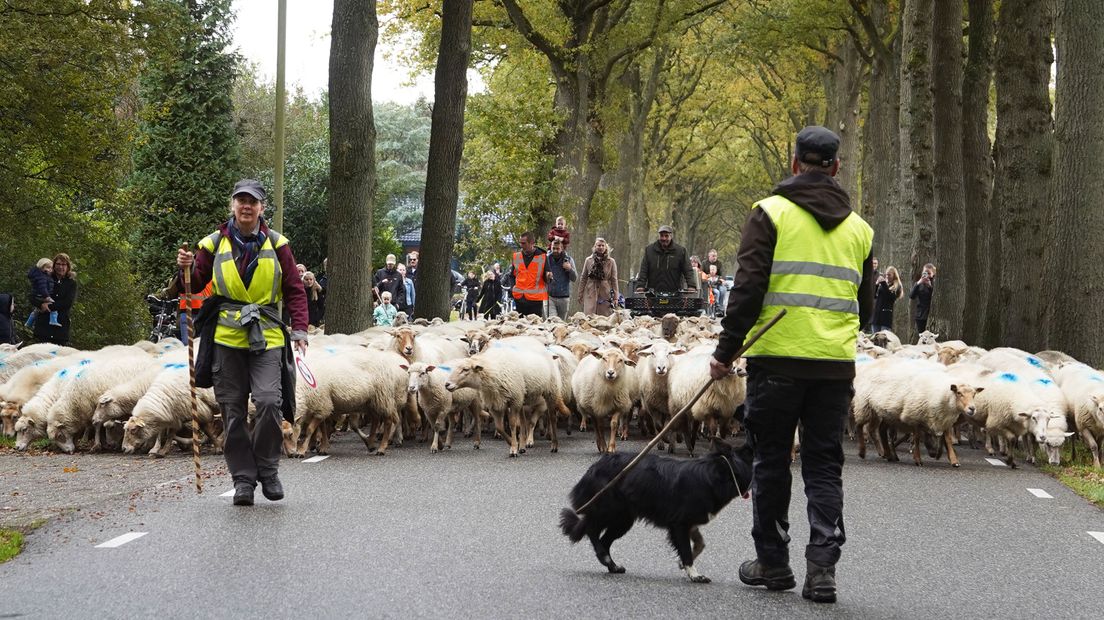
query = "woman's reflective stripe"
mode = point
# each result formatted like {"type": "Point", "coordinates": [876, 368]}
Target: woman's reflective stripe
{"type": "Point", "coordinates": [806, 268]}
{"type": "Point", "coordinates": [850, 306]}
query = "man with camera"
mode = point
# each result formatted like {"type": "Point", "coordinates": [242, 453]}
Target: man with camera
{"type": "Point", "coordinates": [922, 293]}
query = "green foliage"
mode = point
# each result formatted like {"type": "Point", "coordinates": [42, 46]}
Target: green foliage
{"type": "Point", "coordinates": [11, 543]}
{"type": "Point", "coordinates": [187, 157]}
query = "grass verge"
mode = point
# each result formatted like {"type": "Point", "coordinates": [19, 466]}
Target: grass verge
{"type": "Point", "coordinates": [11, 543]}
{"type": "Point", "coordinates": [7, 442]}
{"type": "Point", "coordinates": [1077, 473]}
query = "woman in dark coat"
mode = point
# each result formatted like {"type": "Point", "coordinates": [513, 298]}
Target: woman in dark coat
{"type": "Point", "coordinates": [7, 307]}
{"type": "Point", "coordinates": [64, 294]}
{"type": "Point", "coordinates": [490, 296]}
{"type": "Point", "coordinates": [471, 287]}
{"type": "Point", "coordinates": [888, 290]}
{"type": "Point", "coordinates": [922, 293]}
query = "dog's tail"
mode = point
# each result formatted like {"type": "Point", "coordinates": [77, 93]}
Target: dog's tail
{"type": "Point", "coordinates": [573, 526]}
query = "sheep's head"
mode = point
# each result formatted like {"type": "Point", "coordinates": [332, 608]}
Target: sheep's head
{"type": "Point", "coordinates": [669, 325]}
{"type": "Point", "coordinates": [1097, 399]}
{"type": "Point", "coordinates": [964, 397]}
{"type": "Point", "coordinates": [1049, 432]}
{"type": "Point", "coordinates": [26, 432]}
{"type": "Point", "coordinates": [107, 408]}
{"type": "Point", "coordinates": [632, 349]}
{"type": "Point", "coordinates": [418, 375]}
{"type": "Point", "coordinates": [580, 349]}
{"type": "Point", "coordinates": [136, 435]}
{"type": "Point", "coordinates": [404, 341]}
{"type": "Point", "coordinates": [9, 413]}
{"type": "Point", "coordinates": [62, 435]}
{"type": "Point", "coordinates": [467, 374]}
{"type": "Point", "coordinates": [614, 362]}
{"type": "Point", "coordinates": [476, 340]}
{"type": "Point", "coordinates": [928, 337]}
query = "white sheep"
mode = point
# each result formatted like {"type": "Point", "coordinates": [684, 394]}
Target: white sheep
{"type": "Point", "coordinates": [887, 340]}
{"type": "Point", "coordinates": [441, 407]}
{"type": "Point", "coordinates": [26, 382]}
{"type": "Point", "coordinates": [31, 424]}
{"type": "Point", "coordinates": [1084, 390]}
{"type": "Point", "coordinates": [166, 408]}
{"type": "Point", "coordinates": [933, 402]}
{"type": "Point", "coordinates": [653, 375]}
{"type": "Point", "coordinates": [71, 414]}
{"type": "Point", "coordinates": [426, 347]}
{"type": "Point", "coordinates": [719, 403]}
{"type": "Point", "coordinates": [1050, 430]}
{"type": "Point", "coordinates": [117, 403]}
{"type": "Point", "coordinates": [605, 387]}
{"type": "Point", "coordinates": [11, 364]}
{"type": "Point", "coordinates": [880, 395]}
{"type": "Point", "coordinates": [1008, 405]}
{"type": "Point", "coordinates": [367, 385]}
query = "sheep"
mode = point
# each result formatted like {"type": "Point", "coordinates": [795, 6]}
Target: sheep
{"type": "Point", "coordinates": [951, 351]}
{"type": "Point", "coordinates": [933, 402]}
{"type": "Point", "coordinates": [23, 385]}
{"type": "Point", "coordinates": [26, 356]}
{"type": "Point", "coordinates": [71, 413]}
{"type": "Point", "coordinates": [1049, 430]}
{"type": "Point", "coordinates": [652, 379]}
{"type": "Point", "coordinates": [1056, 358]}
{"type": "Point", "coordinates": [1084, 390]}
{"type": "Point", "coordinates": [927, 338]}
{"type": "Point", "coordinates": [719, 403]}
{"type": "Point", "coordinates": [878, 396]}
{"type": "Point", "coordinates": [511, 379]}
{"type": "Point", "coordinates": [1008, 405]}
{"type": "Point", "coordinates": [426, 347]}
{"type": "Point", "coordinates": [604, 387]}
{"type": "Point", "coordinates": [165, 409]}
{"type": "Point", "coordinates": [116, 404]}
{"type": "Point", "coordinates": [367, 385]}
{"type": "Point", "coordinates": [887, 340]}
{"type": "Point", "coordinates": [441, 407]}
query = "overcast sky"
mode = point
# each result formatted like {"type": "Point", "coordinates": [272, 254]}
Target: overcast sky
{"type": "Point", "coordinates": [308, 49]}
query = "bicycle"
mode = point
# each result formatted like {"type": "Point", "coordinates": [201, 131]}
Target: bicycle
{"type": "Point", "coordinates": [163, 312]}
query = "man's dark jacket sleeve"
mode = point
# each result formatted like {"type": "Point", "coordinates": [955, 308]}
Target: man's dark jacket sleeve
{"type": "Point", "coordinates": [749, 285]}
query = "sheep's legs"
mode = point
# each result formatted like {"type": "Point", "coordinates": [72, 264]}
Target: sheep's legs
{"type": "Point", "coordinates": [97, 430]}
{"type": "Point", "coordinates": [305, 438]}
{"type": "Point", "coordinates": [390, 425]}
{"type": "Point", "coordinates": [1093, 446]}
{"type": "Point", "coordinates": [948, 438]}
{"type": "Point", "coordinates": [513, 437]}
{"type": "Point", "coordinates": [598, 437]}
{"type": "Point", "coordinates": [916, 449]}
{"type": "Point", "coordinates": [615, 424]}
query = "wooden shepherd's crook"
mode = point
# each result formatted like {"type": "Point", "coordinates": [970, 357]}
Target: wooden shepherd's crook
{"type": "Point", "coordinates": [675, 418]}
{"type": "Point", "coordinates": [191, 374]}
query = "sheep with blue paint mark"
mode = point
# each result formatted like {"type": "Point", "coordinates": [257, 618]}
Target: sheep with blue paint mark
{"type": "Point", "coordinates": [1083, 386]}
{"type": "Point", "coordinates": [443, 410]}
{"type": "Point", "coordinates": [31, 424]}
{"type": "Point", "coordinates": [24, 384]}
{"type": "Point", "coordinates": [1010, 406]}
{"type": "Point", "coordinates": [1050, 429]}
{"type": "Point", "coordinates": [116, 405]}
{"type": "Point", "coordinates": [165, 409]}
{"type": "Point", "coordinates": [71, 414]}
{"type": "Point", "coordinates": [26, 356]}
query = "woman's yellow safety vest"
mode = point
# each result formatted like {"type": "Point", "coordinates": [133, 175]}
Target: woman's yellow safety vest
{"type": "Point", "coordinates": [264, 289]}
{"type": "Point", "coordinates": [815, 276]}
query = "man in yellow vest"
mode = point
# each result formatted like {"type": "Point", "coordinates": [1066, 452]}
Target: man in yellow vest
{"type": "Point", "coordinates": [530, 274]}
{"type": "Point", "coordinates": [805, 250]}
{"type": "Point", "coordinates": [252, 268]}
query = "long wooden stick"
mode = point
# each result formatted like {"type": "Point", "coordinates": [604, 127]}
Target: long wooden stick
{"type": "Point", "coordinates": [192, 374]}
{"type": "Point", "coordinates": [675, 418]}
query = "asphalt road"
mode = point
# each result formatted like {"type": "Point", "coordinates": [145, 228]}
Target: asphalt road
{"type": "Point", "coordinates": [468, 534]}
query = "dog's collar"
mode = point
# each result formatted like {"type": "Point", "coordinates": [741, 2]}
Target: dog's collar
{"type": "Point", "coordinates": [733, 471]}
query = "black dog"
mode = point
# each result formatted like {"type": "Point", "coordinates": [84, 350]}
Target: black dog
{"type": "Point", "coordinates": [679, 495]}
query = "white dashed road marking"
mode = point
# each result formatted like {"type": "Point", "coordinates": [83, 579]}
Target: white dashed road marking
{"type": "Point", "coordinates": [316, 459]}
{"type": "Point", "coordinates": [229, 493]}
{"type": "Point", "coordinates": [996, 462]}
{"type": "Point", "coordinates": [1098, 535]}
{"type": "Point", "coordinates": [1041, 494]}
{"type": "Point", "coordinates": [119, 541]}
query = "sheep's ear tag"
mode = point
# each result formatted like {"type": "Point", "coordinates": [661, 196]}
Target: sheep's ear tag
{"type": "Point", "coordinates": [304, 370]}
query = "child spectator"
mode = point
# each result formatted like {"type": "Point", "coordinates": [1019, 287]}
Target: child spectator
{"type": "Point", "coordinates": [384, 314]}
{"type": "Point", "coordinates": [41, 283]}
{"type": "Point", "coordinates": [560, 231]}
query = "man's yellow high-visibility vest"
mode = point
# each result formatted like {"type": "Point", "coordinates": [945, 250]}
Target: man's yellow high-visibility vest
{"type": "Point", "coordinates": [815, 276]}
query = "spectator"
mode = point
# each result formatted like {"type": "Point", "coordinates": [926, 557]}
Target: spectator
{"type": "Point", "coordinates": [664, 267]}
{"type": "Point", "coordinates": [560, 231]}
{"type": "Point", "coordinates": [302, 269]}
{"type": "Point", "coordinates": [315, 308]}
{"type": "Point", "coordinates": [7, 310]}
{"type": "Point", "coordinates": [886, 293]}
{"type": "Point", "coordinates": [408, 290]}
{"type": "Point", "coordinates": [504, 286]}
{"type": "Point", "coordinates": [384, 314]}
{"type": "Point", "coordinates": [389, 279]}
{"type": "Point", "coordinates": [922, 293]}
{"type": "Point", "coordinates": [877, 274]}
{"type": "Point", "coordinates": [64, 293]}
{"type": "Point", "coordinates": [471, 288]}
{"type": "Point", "coordinates": [412, 267]}
{"type": "Point", "coordinates": [490, 297]}
{"type": "Point", "coordinates": [563, 271]}
{"type": "Point", "coordinates": [529, 276]}
{"type": "Point", "coordinates": [714, 284]}
{"type": "Point", "coordinates": [711, 260]}
{"type": "Point", "coordinates": [42, 281]}
{"type": "Point", "coordinates": [598, 292]}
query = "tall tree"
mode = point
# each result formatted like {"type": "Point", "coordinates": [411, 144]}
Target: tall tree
{"type": "Point", "coordinates": [1077, 324]}
{"type": "Point", "coordinates": [916, 220]}
{"type": "Point", "coordinates": [1023, 153]}
{"type": "Point", "coordinates": [977, 168]}
{"type": "Point", "coordinates": [187, 158]}
{"type": "Point", "coordinates": [950, 197]}
{"type": "Point", "coordinates": [352, 165]}
{"type": "Point", "coordinates": [446, 147]}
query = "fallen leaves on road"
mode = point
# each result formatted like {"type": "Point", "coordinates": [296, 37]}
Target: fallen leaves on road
{"type": "Point", "coordinates": [70, 470]}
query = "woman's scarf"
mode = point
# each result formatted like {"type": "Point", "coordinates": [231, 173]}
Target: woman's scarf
{"type": "Point", "coordinates": [248, 247]}
{"type": "Point", "coordinates": [598, 266]}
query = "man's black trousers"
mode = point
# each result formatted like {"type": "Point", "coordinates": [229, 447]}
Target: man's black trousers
{"type": "Point", "coordinates": [775, 404]}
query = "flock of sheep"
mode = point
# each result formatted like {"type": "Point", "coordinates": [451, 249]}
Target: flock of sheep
{"type": "Point", "coordinates": [527, 375]}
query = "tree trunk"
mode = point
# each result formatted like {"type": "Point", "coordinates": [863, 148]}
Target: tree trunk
{"type": "Point", "coordinates": [843, 86]}
{"type": "Point", "coordinates": [916, 220]}
{"type": "Point", "coordinates": [579, 153]}
{"type": "Point", "coordinates": [880, 139]}
{"type": "Point", "coordinates": [1077, 325]}
{"type": "Point", "coordinates": [446, 146]}
{"type": "Point", "coordinates": [1024, 165]}
{"type": "Point", "coordinates": [977, 168]}
{"type": "Point", "coordinates": [950, 198]}
{"type": "Point", "coordinates": [352, 165]}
